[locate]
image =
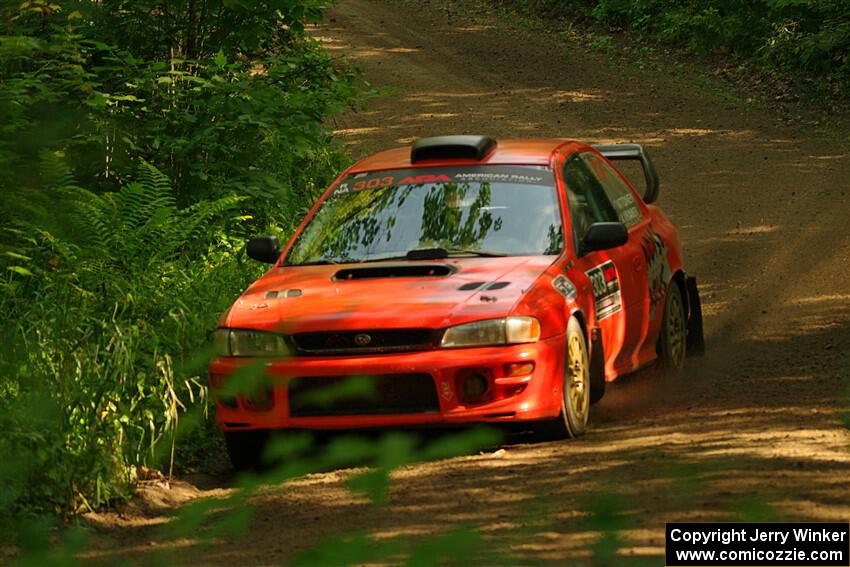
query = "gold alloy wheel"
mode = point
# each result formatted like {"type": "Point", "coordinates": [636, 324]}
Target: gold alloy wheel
{"type": "Point", "coordinates": [676, 332]}
{"type": "Point", "coordinates": [577, 389]}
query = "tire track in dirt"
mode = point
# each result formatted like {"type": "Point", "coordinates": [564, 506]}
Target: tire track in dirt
{"type": "Point", "coordinates": [763, 212]}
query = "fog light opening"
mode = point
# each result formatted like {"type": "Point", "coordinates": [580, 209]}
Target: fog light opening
{"type": "Point", "coordinates": [217, 383]}
{"type": "Point", "coordinates": [261, 400]}
{"type": "Point", "coordinates": [474, 386]}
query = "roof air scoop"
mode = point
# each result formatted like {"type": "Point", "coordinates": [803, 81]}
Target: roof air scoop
{"type": "Point", "coordinates": [451, 147]}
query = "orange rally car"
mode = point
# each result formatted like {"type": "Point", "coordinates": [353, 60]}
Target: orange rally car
{"type": "Point", "coordinates": [460, 280]}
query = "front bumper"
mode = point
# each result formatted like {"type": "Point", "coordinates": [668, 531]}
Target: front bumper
{"type": "Point", "coordinates": [526, 396]}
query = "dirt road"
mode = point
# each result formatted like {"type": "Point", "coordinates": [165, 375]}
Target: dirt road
{"type": "Point", "coordinates": [763, 211]}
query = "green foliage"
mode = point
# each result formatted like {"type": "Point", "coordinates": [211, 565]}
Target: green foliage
{"type": "Point", "coordinates": [196, 29]}
{"type": "Point", "coordinates": [246, 118]}
{"type": "Point", "coordinates": [141, 141]}
{"type": "Point", "coordinates": [800, 36]}
{"type": "Point", "coordinates": [123, 287]}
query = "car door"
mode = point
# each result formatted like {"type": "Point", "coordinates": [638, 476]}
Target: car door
{"type": "Point", "coordinates": [616, 277]}
{"type": "Point", "coordinates": [647, 250]}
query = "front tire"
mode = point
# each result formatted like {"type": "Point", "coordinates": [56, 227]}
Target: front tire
{"type": "Point", "coordinates": [575, 394]}
{"type": "Point", "coordinates": [673, 340]}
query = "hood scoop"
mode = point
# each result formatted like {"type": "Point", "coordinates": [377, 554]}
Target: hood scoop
{"type": "Point", "coordinates": [407, 270]}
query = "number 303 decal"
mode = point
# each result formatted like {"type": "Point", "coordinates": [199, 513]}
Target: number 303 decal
{"type": "Point", "coordinates": [606, 289]}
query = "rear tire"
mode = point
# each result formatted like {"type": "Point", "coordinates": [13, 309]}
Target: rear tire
{"type": "Point", "coordinates": [246, 448]}
{"type": "Point", "coordinates": [575, 394]}
{"type": "Point", "coordinates": [672, 341]}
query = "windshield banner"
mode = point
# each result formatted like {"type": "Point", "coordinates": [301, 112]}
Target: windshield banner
{"type": "Point", "coordinates": [522, 175]}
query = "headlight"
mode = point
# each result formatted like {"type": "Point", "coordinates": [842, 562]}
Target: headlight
{"type": "Point", "coordinates": [507, 331]}
{"type": "Point", "coordinates": [240, 342]}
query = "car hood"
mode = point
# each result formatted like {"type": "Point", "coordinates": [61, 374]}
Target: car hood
{"type": "Point", "coordinates": [297, 299]}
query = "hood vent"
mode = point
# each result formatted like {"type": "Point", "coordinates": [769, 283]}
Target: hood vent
{"type": "Point", "coordinates": [283, 293]}
{"type": "Point", "coordinates": [413, 270]}
{"type": "Point", "coordinates": [492, 287]}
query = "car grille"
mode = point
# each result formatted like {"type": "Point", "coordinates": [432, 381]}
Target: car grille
{"type": "Point", "coordinates": [362, 395]}
{"type": "Point", "coordinates": [365, 342]}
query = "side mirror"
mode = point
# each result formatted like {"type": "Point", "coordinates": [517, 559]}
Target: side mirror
{"type": "Point", "coordinates": [603, 236]}
{"type": "Point", "coordinates": [264, 249]}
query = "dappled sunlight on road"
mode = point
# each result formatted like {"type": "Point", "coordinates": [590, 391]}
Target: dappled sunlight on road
{"type": "Point", "coordinates": [534, 499]}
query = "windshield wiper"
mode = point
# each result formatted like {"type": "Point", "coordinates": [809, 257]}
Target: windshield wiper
{"type": "Point", "coordinates": [432, 254]}
{"type": "Point", "coordinates": [315, 263]}
{"type": "Point", "coordinates": [440, 253]}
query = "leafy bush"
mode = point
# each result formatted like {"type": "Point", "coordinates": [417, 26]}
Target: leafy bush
{"type": "Point", "coordinates": [235, 121]}
{"type": "Point", "coordinates": [141, 142]}
{"type": "Point", "coordinates": [103, 314]}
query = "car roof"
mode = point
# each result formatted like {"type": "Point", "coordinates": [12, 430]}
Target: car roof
{"type": "Point", "coordinates": [530, 151]}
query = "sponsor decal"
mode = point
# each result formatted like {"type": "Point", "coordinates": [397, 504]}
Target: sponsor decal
{"type": "Point", "coordinates": [606, 289]}
{"type": "Point", "coordinates": [411, 180]}
{"type": "Point", "coordinates": [481, 176]}
{"type": "Point", "coordinates": [446, 390]}
{"type": "Point", "coordinates": [658, 268]}
{"type": "Point", "coordinates": [565, 287]}
{"type": "Point", "coordinates": [626, 209]}
{"type": "Point", "coordinates": [521, 175]}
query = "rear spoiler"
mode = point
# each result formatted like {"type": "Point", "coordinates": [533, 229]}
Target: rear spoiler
{"type": "Point", "coordinates": [636, 152]}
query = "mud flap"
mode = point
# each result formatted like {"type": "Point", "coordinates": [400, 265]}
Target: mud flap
{"type": "Point", "coordinates": [696, 339]}
{"type": "Point", "coordinates": [597, 367]}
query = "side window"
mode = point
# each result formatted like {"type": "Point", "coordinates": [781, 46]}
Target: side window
{"type": "Point", "coordinates": [618, 193]}
{"type": "Point", "coordinates": [585, 197]}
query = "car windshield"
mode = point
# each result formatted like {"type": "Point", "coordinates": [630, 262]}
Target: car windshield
{"type": "Point", "coordinates": [452, 211]}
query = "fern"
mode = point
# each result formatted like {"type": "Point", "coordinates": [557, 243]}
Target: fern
{"type": "Point", "coordinates": [111, 242]}
{"type": "Point", "coordinates": [138, 202]}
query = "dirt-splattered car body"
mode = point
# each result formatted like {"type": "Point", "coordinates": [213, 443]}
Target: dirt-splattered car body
{"type": "Point", "coordinates": [388, 317]}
